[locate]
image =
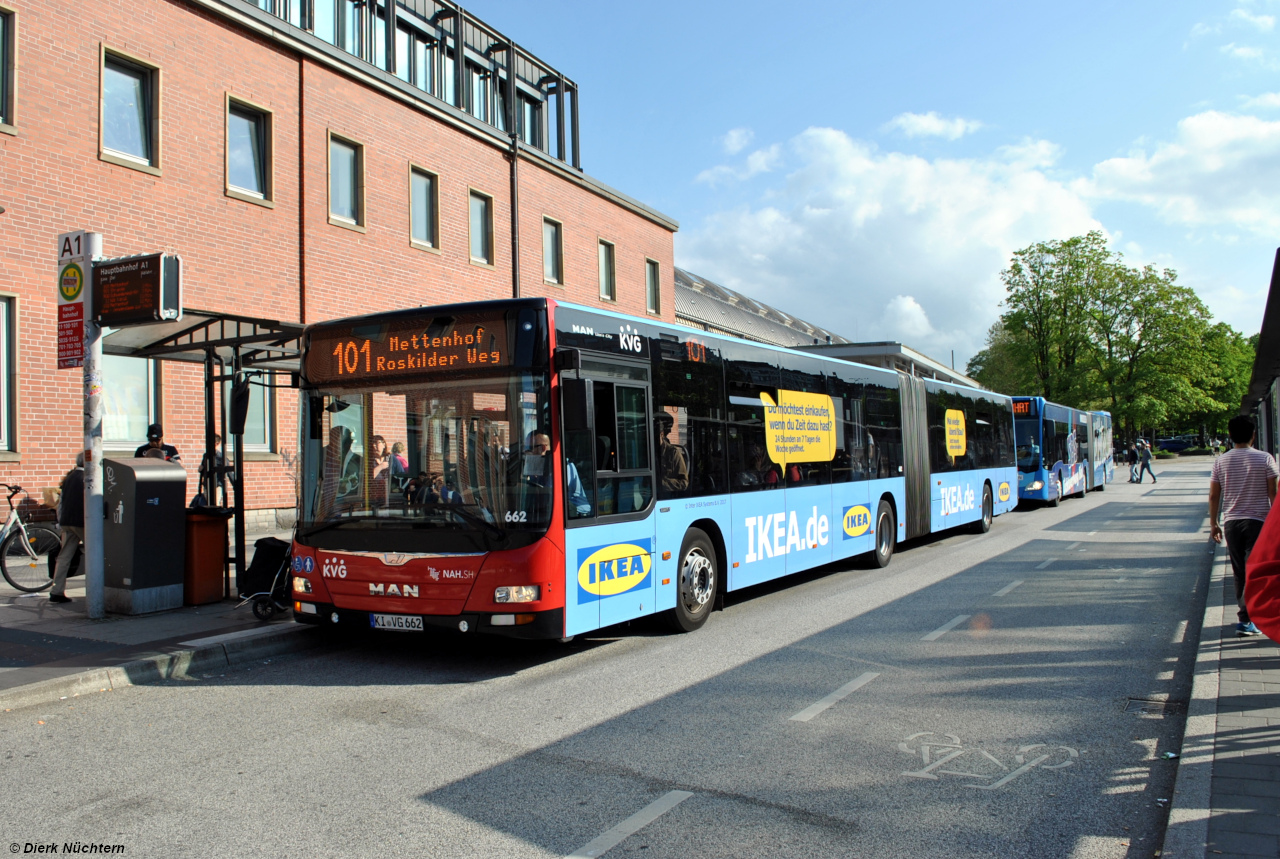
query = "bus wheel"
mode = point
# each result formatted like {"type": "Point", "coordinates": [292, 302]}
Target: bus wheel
{"type": "Point", "coordinates": [886, 535]}
{"type": "Point", "coordinates": [697, 583]}
{"type": "Point", "coordinates": [983, 525]}
{"type": "Point", "coordinates": [1057, 499]}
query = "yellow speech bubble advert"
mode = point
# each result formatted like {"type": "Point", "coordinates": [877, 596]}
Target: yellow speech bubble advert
{"type": "Point", "coordinates": [954, 425]}
{"type": "Point", "coordinates": [800, 427]}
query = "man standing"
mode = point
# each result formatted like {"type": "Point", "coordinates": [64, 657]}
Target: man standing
{"type": "Point", "coordinates": [1243, 486]}
{"type": "Point", "coordinates": [155, 441]}
{"type": "Point", "coordinates": [71, 522]}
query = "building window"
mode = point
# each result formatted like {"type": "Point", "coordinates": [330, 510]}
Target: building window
{"type": "Point", "coordinates": [128, 401]}
{"type": "Point", "coordinates": [478, 82]}
{"type": "Point", "coordinates": [7, 357]}
{"type": "Point", "coordinates": [652, 287]}
{"type": "Point", "coordinates": [608, 277]}
{"type": "Point", "coordinates": [8, 65]}
{"type": "Point", "coordinates": [346, 185]}
{"type": "Point", "coordinates": [481, 228]}
{"type": "Point", "coordinates": [260, 421]}
{"type": "Point", "coordinates": [529, 119]}
{"type": "Point", "coordinates": [552, 252]}
{"type": "Point", "coordinates": [423, 224]}
{"type": "Point", "coordinates": [130, 107]}
{"type": "Point", "coordinates": [348, 26]}
{"type": "Point", "coordinates": [248, 152]}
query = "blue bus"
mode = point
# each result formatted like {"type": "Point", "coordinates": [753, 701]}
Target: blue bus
{"type": "Point", "coordinates": [564, 468]}
{"type": "Point", "coordinates": [1061, 451]}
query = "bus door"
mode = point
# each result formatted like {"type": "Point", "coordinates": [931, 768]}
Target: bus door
{"type": "Point", "coordinates": [608, 481]}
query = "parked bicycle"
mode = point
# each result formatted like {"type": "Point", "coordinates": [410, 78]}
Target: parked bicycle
{"type": "Point", "coordinates": [26, 547]}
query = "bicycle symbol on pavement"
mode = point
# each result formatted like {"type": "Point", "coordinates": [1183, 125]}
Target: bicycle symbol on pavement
{"type": "Point", "coordinates": [945, 750]}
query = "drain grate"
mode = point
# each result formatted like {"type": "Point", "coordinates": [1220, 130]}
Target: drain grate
{"type": "Point", "coordinates": [1149, 708]}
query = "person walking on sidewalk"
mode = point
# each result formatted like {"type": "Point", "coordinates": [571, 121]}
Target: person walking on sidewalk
{"type": "Point", "coordinates": [71, 521]}
{"type": "Point", "coordinates": [1144, 460]}
{"type": "Point", "coordinates": [1132, 457]}
{"type": "Point", "coordinates": [1242, 486]}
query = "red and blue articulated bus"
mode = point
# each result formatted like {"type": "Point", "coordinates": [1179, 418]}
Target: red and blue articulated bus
{"type": "Point", "coordinates": [540, 470]}
{"type": "Point", "coordinates": [1061, 451]}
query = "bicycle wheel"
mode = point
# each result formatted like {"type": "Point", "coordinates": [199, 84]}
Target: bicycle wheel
{"type": "Point", "coordinates": [25, 573]}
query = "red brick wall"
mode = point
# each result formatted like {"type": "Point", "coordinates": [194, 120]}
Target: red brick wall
{"type": "Point", "coordinates": [285, 262]}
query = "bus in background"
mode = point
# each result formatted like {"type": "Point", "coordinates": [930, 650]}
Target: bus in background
{"type": "Point", "coordinates": [555, 469]}
{"type": "Point", "coordinates": [1061, 451]}
{"type": "Point", "coordinates": [1102, 465]}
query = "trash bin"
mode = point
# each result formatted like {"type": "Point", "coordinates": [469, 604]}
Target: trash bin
{"type": "Point", "coordinates": [206, 555]}
{"type": "Point", "coordinates": [144, 535]}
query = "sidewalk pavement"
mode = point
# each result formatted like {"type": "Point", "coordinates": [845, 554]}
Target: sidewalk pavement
{"type": "Point", "coordinates": [1226, 801]}
{"type": "Point", "coordinates": [50, 651]}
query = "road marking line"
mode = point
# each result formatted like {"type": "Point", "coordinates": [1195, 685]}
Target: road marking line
{"type": "Point", "coordinates": [633, 824]}
{"type": "Point", "coordinates": [233, 636]}
{"type": "Point", "coordinates": [1044, 564]}
{"type": "Point", "coordinates": [1091, 533]}
{"type": "Point", "coordinates": [1073, 545]}
{"type": "Point", "coordinates": [814, 709]}
{"type": "Point", "coordinates": [946, 627]}
{"type": "Point", "coordinates": [1004, 590]}
{"type": "Point", "coordinates": [1181, 633]}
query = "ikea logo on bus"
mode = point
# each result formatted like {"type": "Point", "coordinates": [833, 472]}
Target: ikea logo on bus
{"type": "Point", "coordinates": [1004, 491]}
{"type": "Point", "coordinates": [856, 521]}
{"type": "Point", "coordinates": [607, 571]}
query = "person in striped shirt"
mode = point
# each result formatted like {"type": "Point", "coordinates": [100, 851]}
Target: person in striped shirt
{"type": "Point", "coordinates": [1242, 486]}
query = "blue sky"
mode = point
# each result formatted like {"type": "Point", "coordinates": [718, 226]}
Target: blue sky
{"type": "Point", "coordinates": [870, 167]}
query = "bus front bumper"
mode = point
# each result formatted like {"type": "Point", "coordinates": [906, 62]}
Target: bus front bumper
{"type": "Point", "coordinates": [526, 625]}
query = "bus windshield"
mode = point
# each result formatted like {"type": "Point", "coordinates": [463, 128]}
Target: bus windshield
{"type": "Point", "coordinates": [1027, 433]}
{"type": "Point", "coordinates": [450, 465]}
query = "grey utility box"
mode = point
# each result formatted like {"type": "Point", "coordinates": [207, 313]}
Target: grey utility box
{"type": "Point", "coordinates": [145, 534]}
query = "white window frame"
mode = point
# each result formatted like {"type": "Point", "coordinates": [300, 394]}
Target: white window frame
{"type": "Point", "coordinates": [612, 294]}
{"type": "Point", "coordinates": [154, 387]}
{"type": "Point", "coordinates": [433, 242]}
{"type": "Point", "coordinates": [556, 277]}
{"type": "Point", "coordinates": [8, 374]}
{"type": "Point", "coordinates": [267, 197]}
{"type": "Point", "coordinates": [358, 195]}
{"type": "Point", "coordinates": [155, 112]}
{"type": "Point", "coordinates": [653, 286]}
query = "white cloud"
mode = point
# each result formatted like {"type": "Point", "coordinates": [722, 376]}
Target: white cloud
{"type": "Point", "coordinates": [1242, 52]}
{"type": "Point", "coordinates": [737, 140]}
{"type": "Point", "coordinates": [1220, 170]}
{"type": "Point", "coordinates": [885, 245]}
{"type": "Point", "coordinates": [1262, 102]}
{"type": "Point", "coordinates": [1264, 23]}
{"type": "Point", "coordinates": [931, 125]}
{"type": "Point", "coordinates": [1205, 30]}
{"type": "Point", "coordinates": [760, 161]}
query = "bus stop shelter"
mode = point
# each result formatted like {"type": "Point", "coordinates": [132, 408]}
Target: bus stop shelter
{"type": "Point", "coordinates": [234, 350]}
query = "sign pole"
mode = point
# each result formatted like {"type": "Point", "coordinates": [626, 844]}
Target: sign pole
{"type": "Point", "coordinates": [80, 345]}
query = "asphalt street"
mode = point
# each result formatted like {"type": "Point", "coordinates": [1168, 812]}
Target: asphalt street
{"type": "Point", "coordinates": [1007, 694]}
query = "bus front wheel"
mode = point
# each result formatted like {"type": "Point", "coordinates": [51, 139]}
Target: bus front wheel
{"type": "Point", "coordinates": [886, 535]}
{"type": "Point", "coordinates": [697, 583]}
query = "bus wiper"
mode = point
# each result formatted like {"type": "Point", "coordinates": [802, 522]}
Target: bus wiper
{"type": "Point", "coordinates": [463, 513]}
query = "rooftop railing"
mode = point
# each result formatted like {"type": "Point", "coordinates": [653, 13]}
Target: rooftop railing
{"type": "Point", "coordinates": [440, 49]}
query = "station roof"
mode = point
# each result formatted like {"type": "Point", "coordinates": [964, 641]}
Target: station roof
{"type": "Point", "coordinates": [266, 344]}
{"type": "Point", "coordinates": [710, 306]}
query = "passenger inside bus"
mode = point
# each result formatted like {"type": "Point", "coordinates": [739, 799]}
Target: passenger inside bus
{"type": "Point", "coordinates": [672, 458]}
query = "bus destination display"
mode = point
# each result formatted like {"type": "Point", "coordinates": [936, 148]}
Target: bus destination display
{"type": "Point", "coordinates": [1024, 408]}
{"type": "Point", "coordinates": [396, 349]}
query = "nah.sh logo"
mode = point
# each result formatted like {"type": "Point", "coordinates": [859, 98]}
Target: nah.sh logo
{"type": "Point", "coordinates": [607, 571]}
{"type": "Point", "coordinates": [334, 568]}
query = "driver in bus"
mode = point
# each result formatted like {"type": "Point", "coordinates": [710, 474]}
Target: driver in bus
{"type": "Point", "coordinates": [540, 446]}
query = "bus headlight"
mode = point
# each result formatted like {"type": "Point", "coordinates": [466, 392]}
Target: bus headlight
{"type": "Point", "coordinates": [1039, 484]}
{"type": "Point", "coordinates": [301, 585]}
{"type": "Point", "coordinates": [517, 593]}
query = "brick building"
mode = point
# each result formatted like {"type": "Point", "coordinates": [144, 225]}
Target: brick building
{"type": "Point", "coordinates": [307, 161]}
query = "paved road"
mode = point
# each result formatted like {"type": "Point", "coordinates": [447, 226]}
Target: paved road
{"type": "Point", "coordinates": [981, 697]}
